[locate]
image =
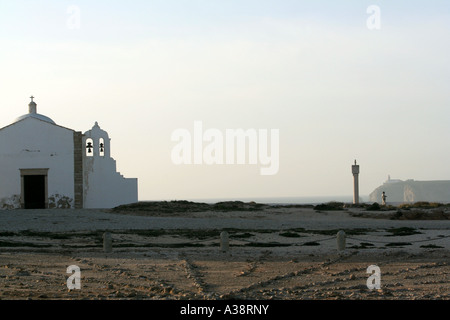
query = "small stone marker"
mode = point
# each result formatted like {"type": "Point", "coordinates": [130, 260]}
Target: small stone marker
{"type": "Point", "coordinates": [107, 242]}
{"type": "Point", "coordinates": [224, 241]}
{"type": "Point", "coordinates": [340, 240]}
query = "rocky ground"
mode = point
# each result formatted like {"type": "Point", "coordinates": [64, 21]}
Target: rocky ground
{"type": "Point", "coordinates": [275, 253]}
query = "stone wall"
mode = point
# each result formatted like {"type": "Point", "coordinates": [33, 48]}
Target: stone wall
{"type": "Point", "coordinates": [78, 169]}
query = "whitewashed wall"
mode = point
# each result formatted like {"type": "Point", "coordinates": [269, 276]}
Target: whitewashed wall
{"type": "Point", "coordinates": [33, 144]}
{"type": "Point", "coordinates": [103, 186]}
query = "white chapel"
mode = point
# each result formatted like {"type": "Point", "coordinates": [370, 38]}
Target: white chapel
{"type": "Point", "coordinates": [45, 165]}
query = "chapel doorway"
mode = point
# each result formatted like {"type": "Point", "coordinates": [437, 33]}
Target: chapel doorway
{"type": "Point", "coordinates": [34, 188]}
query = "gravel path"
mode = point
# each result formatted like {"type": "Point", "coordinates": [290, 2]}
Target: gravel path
{"type": "Point", "coordinates": [83, 219]}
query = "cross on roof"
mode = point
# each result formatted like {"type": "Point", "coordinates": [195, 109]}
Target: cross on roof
{"type": "Point", "coordinates": [31, 98]}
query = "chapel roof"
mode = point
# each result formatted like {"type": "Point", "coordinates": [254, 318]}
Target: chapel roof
{"type": "Point", "coordinates": [32, 113]}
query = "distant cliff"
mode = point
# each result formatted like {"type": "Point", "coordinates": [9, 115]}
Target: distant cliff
{"type": "Point", "coordinates": [413, 191]}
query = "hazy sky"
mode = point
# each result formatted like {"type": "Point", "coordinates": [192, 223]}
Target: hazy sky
{"type": "Point", "coordinates": [335, 89]}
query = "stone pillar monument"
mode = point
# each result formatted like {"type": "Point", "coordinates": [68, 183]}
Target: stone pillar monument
{"type": "Point", "coordinates": [355, 171]}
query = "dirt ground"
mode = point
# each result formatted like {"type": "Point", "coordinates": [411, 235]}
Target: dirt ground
{"type": "Point", "coordinates": [190, 275]}
{"type": "Point", "coordinates": [181, 263]}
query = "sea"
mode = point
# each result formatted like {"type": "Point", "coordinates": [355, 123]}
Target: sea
{"type": "Point", "coordinates": [279, 200]}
